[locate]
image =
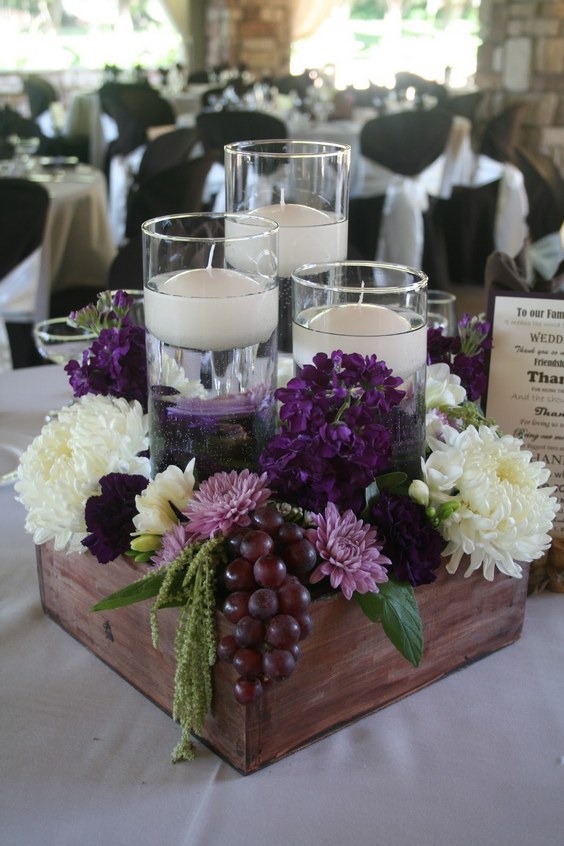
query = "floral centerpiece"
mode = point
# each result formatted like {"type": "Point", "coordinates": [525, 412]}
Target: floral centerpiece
{"type": "Point", "coordinates": [324, 511]}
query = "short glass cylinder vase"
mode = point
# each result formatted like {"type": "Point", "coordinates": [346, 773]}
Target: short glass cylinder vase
{"type": "Point", "coordinates": [376, 309]}
{"type": "Point", "coordinates": [211, 316]}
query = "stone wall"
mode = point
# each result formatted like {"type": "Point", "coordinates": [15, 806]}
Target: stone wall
{"type": "Point", "coordinates": [254, 33]}
{"type": "Point", "coordinates": [522, 60]}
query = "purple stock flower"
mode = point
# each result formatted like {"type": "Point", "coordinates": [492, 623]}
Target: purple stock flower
{"type": "Point", "coordinates": [332, 441]}
{"type": "Point", "coordinates": [115, 365]}
{"type": "Point", "coordinates": [409, 540]}
{"type": "Point", "coordinates": [109, 516]}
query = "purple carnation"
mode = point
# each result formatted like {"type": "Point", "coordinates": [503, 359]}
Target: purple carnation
{"type": "Point", "coordinates": [334, 439]}
{"type": "Point", "coordinates": [409, 540]}
{"type": "Point", "coordinates": [440, 347]}
{"type": "Point", "coordinates": [109, 516]}
{"type": "Point", "coordinates": [115, 365]}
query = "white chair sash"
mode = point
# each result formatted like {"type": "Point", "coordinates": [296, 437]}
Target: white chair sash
{"type": "Point", "coordinates": [18, 289]}
{"type": "Point", "coordinates": [510, 229]}
{"type": "Point", "coordinates": [401, 234]}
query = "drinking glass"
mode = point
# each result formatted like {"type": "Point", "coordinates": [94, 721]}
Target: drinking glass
{"type": "Point", "coordinates": [441, 311]}
{"type": "Point", "coordinates": [370, 308]}
{"type": "Point", "coordinates": [304, 187]}
{"type": "Point", "coordinates": [58, 341]}
{"type": "Point", "coordinates": [211, 316]}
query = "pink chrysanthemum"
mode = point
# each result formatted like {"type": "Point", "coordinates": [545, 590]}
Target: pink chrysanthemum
{"type": "Point", "coordinates": [352, 557]}
{"type": "Point", "coordinates": [224, 502]}
{"type": "Point", "coordinates": [173, 542]}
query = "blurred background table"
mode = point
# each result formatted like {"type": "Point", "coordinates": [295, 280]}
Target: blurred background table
{"type": "Point", "coordinates": [476, 759]}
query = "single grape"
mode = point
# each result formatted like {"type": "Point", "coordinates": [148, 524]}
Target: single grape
{"type": "Point", "coordinates": [267, 518]}
{"type": "Point", "coordinates": [269, 570]}
{"type": "Point", "coordinates": [283, 631]}
{"type": "Point", "coordinates": [248, 662]}
{"type": "Point", "coordinates": [238, 575]}
{"type": "Point", "coordinates": [296, 650]}
{"type": "Point", "coordinates": [250, 631]}
{"type": "Point", "coordinates": [293, 597]}
{"type": "Point", "coordinates": [305, 622]}
{"type": "Point", "coordinates": [263, 603]}
{"type": "Point", "coordinates": [247, 690]}
{"type": "Point", "coordinates": [226, 648]}
{"type": "Point", "coordinates": [255, 543]}
{"type": "Point", "coordinates": [300, 557]}
{"type": "Point", "coordinates": [278, 664]}
{"type": "Point", "coordinates": [236, 605]}
{"type": "Point", "coordinates": [233, 542]}
{"type": "Point", "coordinates": [289, 533]}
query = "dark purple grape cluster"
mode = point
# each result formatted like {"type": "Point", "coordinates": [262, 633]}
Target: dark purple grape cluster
{"type": "Point", "coordinates": [267, 602]}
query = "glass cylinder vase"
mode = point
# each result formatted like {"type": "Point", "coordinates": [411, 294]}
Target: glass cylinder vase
{"type": "Point", "coordinates": [376, 309]}
{"type": "Point", "coordinates": [211, 315]}
{"type": "Point", "coordinates": [304, 187]}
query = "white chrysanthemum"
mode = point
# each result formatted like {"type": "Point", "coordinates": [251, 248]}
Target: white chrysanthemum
{"type": "Point", "coordinates": [61, 468]}
{"type": "Point", "coordinates": [155, 512]}
{"type": "Point", "coordinates": [442, 387]}
{"type": "Point", "coordinates": [174, 376]}
{"type": "Point", "coordinates": [504, 513]}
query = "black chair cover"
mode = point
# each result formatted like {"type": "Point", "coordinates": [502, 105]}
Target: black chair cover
{"type": "Point", "coordinates": [134, 107]}
{"type": "Point", "coordinates": [40, 94]}
{"type": "Point", "coordinates": [220, 128]}
{"type": "Point", "coordinates": [545, 191]}
{"type": "Point", "coordinates": [406, 142]}
{"type": "Point", "coordinates": [23, 213]}
{"type": "Point", "coordinates": [167, 150]}
{"type": "Point", "coordinates": [501, 133]}
{"type": "Point", "coordinates": [177, 190]}
{"type": "Point", "coordinates": [467, 222]}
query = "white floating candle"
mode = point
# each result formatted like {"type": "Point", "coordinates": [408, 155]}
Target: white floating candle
{"type": "Point", "coordinates": [398, 339]}
{"type": "Point", "coordinates": [210, 309]}
{"type": "Point", "coordinates": [306, 235]}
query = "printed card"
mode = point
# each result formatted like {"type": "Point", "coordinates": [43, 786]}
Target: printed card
{"type": "Point", "coordinates": [526, 378]}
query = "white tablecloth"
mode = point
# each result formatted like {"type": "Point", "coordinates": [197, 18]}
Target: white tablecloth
{"type": "Point", "coordinates": [78, 246]}
{"type": "Point", "coordinates": [476, 759]}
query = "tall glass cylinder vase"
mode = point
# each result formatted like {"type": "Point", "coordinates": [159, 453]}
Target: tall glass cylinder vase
{"type": "Point", "coordinates": [304, 187]}
{"type": "Point", "coordinates": [211, 315]}
{"type": "Point", "coordinates": [371, 309]}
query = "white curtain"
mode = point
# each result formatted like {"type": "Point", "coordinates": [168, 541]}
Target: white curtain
{"type": "Point", "coordinates": [179, 13]}
{"type": "Point", "coordinates": [308, 15]}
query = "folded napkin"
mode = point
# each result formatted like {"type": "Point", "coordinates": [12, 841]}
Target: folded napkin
{"type": "Point", "coordinates": [504, 273]}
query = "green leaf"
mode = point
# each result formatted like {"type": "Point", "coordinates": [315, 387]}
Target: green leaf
{"type": "Point", "coordinates": [396, 608]}
{"type": "Point", "coordinates": [138, 591]}
{"type": "Point", "coordinates": [390, 480]}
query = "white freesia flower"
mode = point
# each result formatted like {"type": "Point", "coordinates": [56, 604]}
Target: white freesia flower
{"type": "Point", "coordinates": [443, 387]}
{"type": "Point", "coordinates": [419, 492]}
{"type": "Point", "coordinates": [61, 468]}
{"type": "Point", "coordinates": [155, 512]}
{"type": "Point", "coordinates": [505, 511]}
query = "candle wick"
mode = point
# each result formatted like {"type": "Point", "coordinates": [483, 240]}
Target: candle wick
{"type": "Point", "coordinates": [361, 298]}
{"type": "Point", "coordinates": [210, 258]}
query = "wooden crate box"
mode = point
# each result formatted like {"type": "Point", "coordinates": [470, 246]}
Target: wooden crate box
{"type": "Point", "coordinates": [347, 668]}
